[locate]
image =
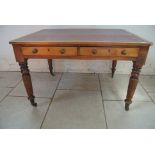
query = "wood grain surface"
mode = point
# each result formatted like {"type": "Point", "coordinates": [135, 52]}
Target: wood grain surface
{"type": "Point", "coordinates": [82, 37]}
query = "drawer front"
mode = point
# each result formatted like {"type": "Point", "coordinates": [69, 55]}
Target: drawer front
{"type": "Point", "coordinates": [125, 52]}
{"type": "Point", "coordinates": [96, 51]}
{"type": "Point", "coordinates": [116, 52]}
{"type": "Point", "coordinates": [51, 51]}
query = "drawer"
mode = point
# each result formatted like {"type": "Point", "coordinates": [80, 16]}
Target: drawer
{"type": "Point", "coordinates": [94, 51]}
{"type": "Point", "coordinates": [125, 52]}
{"type": "Point", "coordinates": [51, 51]}
{"type": "Point", "coordinates": [102, 51]}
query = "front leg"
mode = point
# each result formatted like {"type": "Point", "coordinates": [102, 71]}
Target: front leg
{"type": "Point", "coordinates": [27, 81]}
{"type": "Point", "coordinates": [132, 83]}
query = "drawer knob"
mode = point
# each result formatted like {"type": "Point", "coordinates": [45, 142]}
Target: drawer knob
{"type": "Point", "coordinates": [94, 51]}
{"type": "Point", "coordinates": [34, 51]}
{"type": "Point", "coordinates": [124, 52]}
{"type": "Point", "coordinates": [62, 51]}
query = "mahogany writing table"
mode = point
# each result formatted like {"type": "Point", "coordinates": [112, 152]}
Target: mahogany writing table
{"type": "Point", "coordinates": [98, 44]}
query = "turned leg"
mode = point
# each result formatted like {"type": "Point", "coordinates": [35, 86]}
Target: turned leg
{"type": "Point", "coordinates": [50, 66]}
{"type": "Point", "coordinates": [27, 81]}
{"type": "Point", "coordinates": [132, 84]}
{"type": "Point", "coordinates": [114, 63]}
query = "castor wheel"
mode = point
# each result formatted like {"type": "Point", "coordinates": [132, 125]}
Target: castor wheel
{"type": "Point", "coordinates": [52, 74]}
{"type": "Point", "coordinates": [127, 104]}
{"type": "Point", "coordinates": [33, 103]}
{"type": "Point", "coordinates": [127, 107]}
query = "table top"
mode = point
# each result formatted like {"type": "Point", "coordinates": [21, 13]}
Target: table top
{"type": "Point", "coordinates": [79, 36]}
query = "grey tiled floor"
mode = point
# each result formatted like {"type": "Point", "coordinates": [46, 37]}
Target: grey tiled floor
{"type": "Point", "coordinates": [74, 100]}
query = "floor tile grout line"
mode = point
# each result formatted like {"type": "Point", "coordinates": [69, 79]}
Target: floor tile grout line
{"type": "Point", "coordinates": [10, 91]}
{"type": "Point", "coordinates": [5, 96]}
{"type": "Point", "coordinates": [17, 84]}
{"type": "Point", "coordinates": [133, 100]}
{"type": "Point", "coordinates": [103, 102]}
{"type": "Point", "coordinates": [146, 92]}
{"type": "Point", "coordinates": [79, 90]}
{"type": "Point", "coordinates": [7, 87]}
{"type": "Point", "coordinates": [73, 72]}
{"type": "Point", "coordinates": [51, 101]}
{"type": "Point", "coordinates": [26, 96]}
{"type": "Point", "coordinates": [150, 91]}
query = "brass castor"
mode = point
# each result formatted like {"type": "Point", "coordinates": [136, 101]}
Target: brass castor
{"type": "Point", "coordinates": [127, 106]}
{"type": "Point", "coordinates": [33, 103]}
{"type": "Point", "coordinates": [52, 73]}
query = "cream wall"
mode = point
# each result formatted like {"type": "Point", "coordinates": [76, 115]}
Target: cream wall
{"type": "Point", "coordinates": [8, 63]}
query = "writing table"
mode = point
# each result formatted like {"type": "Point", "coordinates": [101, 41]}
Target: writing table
{"type": "Point", "coordinates": [83, 44]}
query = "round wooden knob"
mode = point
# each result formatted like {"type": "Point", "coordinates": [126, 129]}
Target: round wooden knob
{"type": "Point", "coordinates": [35, 50]}
{"type": "Point", "coordinates": [124, 52]}
{"type": "Point", "coordinates": [94, 51]}
{"type": "Point", "coordinates": [62, 51]}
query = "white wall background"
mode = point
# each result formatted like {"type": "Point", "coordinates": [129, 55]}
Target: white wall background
{"type": "Point", "coordinates": [8, 63]}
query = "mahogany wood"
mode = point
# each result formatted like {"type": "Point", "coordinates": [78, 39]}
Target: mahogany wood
{"type": "Point", "coordinates": [50, 66]}
{"type": "Point", "coordinates": [132, 83]}
{"type": "Point", "coordinates": [50, 51]}
{"type": "Point", "coordinates": [83, 44]}
{"type": "Point", "coordinates": [27, 81]}
{"type": "Point", "coordinates": [109, 52]}
{"type": "Point", "coordinates": [114, 63]}
{"type": "Point", "coordinates": [81, 37]}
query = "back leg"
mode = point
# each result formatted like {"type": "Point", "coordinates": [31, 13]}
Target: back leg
{"type": "Point", "coordinates": [114, 63]}
{"type": "Point", "coordinates": [50, 66]}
